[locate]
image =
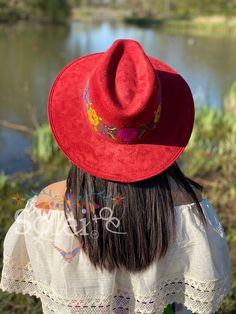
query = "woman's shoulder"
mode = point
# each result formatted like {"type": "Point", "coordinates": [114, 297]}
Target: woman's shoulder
{"type": "Point", "coordinates": [50, 195]}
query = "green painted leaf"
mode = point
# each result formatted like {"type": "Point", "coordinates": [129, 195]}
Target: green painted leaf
{"type": "Point", "coordinates": [111, 135]}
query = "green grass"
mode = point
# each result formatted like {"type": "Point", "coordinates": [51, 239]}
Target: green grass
{"type": "Point", "coordinates": [198, 26]}
{"type": "Point", "coordinates": [3, 180]}
{"type": "Point", "coordinates": [212, 143]}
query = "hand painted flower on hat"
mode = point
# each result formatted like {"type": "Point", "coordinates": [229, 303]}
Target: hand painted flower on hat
{"type": "Point", "coordinates": [102, 128]}
{"type": "Point", "coordinates": [127, 134]}
{"type": "Point", "coordinates": [93, 118]}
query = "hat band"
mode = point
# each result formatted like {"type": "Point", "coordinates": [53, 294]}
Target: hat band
{"type": "Point", "coordinates": [124, 134]}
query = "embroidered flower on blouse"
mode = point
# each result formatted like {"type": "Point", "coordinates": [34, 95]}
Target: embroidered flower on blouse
{"type": "Point", "coordinates": [91, 207]}
{"type": "Point", "coordinates": [118, 198]}
{"type": "Point", "coordinates": [68, 255]}
{"type": "Point", "coordinates": [18, 199]}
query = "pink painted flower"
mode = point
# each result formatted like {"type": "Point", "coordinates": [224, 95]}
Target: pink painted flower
{"type": "Point", "coordinates": [102, 128]}
{"type": "Point", "coordinates": [127, 134]}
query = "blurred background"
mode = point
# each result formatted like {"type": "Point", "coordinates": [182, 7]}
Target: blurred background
{"type": "Point", "coordinates": [39, 37]}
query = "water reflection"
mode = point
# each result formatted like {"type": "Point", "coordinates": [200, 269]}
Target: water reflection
{"type": "Point", "coordinates": [31, 56]}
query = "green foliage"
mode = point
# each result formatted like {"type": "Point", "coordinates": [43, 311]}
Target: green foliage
{"type": "Point", "coordinates": [47, 156]}
{"type": "Point", "coordinates": [58, 11]}
{"type": "Point", "coordinates": [55, 11]}
{"type": "Point", "coordinates": [11, 11]}
{"type": "Point", "coordinates": [212, 143]}
{"type": "Point", "coordinates": [44, 146]}
{"type": "Point", "coordinates": [230, 99]}
{"type": "Point", "coordinates": [182, 8]}
{"type": "Point", "coordinates": [190, 8]}
{"type": "Point", "coordinates": [143, 21]}
{"type": "Point", "coordinates": [210, 158]}
{"type": "Point", "coordinates": [231, 235]}
{"type": "Point", "coordinates": [3, 180]}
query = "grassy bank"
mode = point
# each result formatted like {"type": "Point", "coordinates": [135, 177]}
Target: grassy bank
{"type": "Point", "coordinates": [215, 25]}
{"type": "Point", "coordinates": [62, 11]}
{"type": "Point", "coordinates": [210, 159]}
{"type": "Point", "coordinates": [201, 25]}
{"type": "Point", "coordinates": [99, 14]}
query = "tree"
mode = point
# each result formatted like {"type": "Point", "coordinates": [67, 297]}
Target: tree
{"type": "Point", "coordinates": [54, 10]}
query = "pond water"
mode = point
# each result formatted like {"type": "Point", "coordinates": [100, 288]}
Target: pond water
{"type": "Point", "coordinates": [32, 55]}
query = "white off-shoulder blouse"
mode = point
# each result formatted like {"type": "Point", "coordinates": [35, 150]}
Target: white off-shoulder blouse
{"type": "Point", "coordinates": [43, 258]}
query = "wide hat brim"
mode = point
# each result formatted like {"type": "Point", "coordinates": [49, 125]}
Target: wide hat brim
{"type": "Point", "coordinates": [117, 161]}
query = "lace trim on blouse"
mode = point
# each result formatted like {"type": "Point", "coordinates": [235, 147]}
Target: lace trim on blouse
{"type": "Point", "coordinates": [198, 296]}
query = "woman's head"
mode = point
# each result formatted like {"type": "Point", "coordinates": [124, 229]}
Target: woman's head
{"type": "Point", "coordinates": [137, 220]}
{"type": "Point", "coordinates": [123, 117]}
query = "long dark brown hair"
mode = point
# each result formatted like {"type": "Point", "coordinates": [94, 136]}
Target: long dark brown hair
{"type": "Point", "coordinates": [128, 225]}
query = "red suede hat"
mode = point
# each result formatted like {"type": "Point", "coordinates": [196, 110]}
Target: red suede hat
{"type": "Point", "coordinates": [121, 115]}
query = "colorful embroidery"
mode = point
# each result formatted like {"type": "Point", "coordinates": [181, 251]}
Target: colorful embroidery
{"type": "Point", "coordinates": [91, 207]}
{"type": "Point", "coordinates": [118, 198]}
{"type": "Point", "coordinates": [68, 255]}
{"type": "Point", "coordinates": [122, 134]}
{"type": "Point", "coordinates": [18, 199]}
{"type": "Point", "coordinates": [93, 118]}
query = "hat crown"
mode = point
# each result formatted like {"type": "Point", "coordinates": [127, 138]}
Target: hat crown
{"type": "Point", "coordinates": [123, 92]}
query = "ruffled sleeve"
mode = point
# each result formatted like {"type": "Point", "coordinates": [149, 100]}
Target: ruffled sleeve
{"type": "Point", "coordinates": [17, 270]}
{"type": "Point", "coordinates": [196, 271]}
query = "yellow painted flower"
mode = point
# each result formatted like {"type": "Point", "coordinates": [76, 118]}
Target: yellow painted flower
{"type": "Point", "coordinates": [93, 118]}
{"type": "Point", "coordinates": [157, 114]}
